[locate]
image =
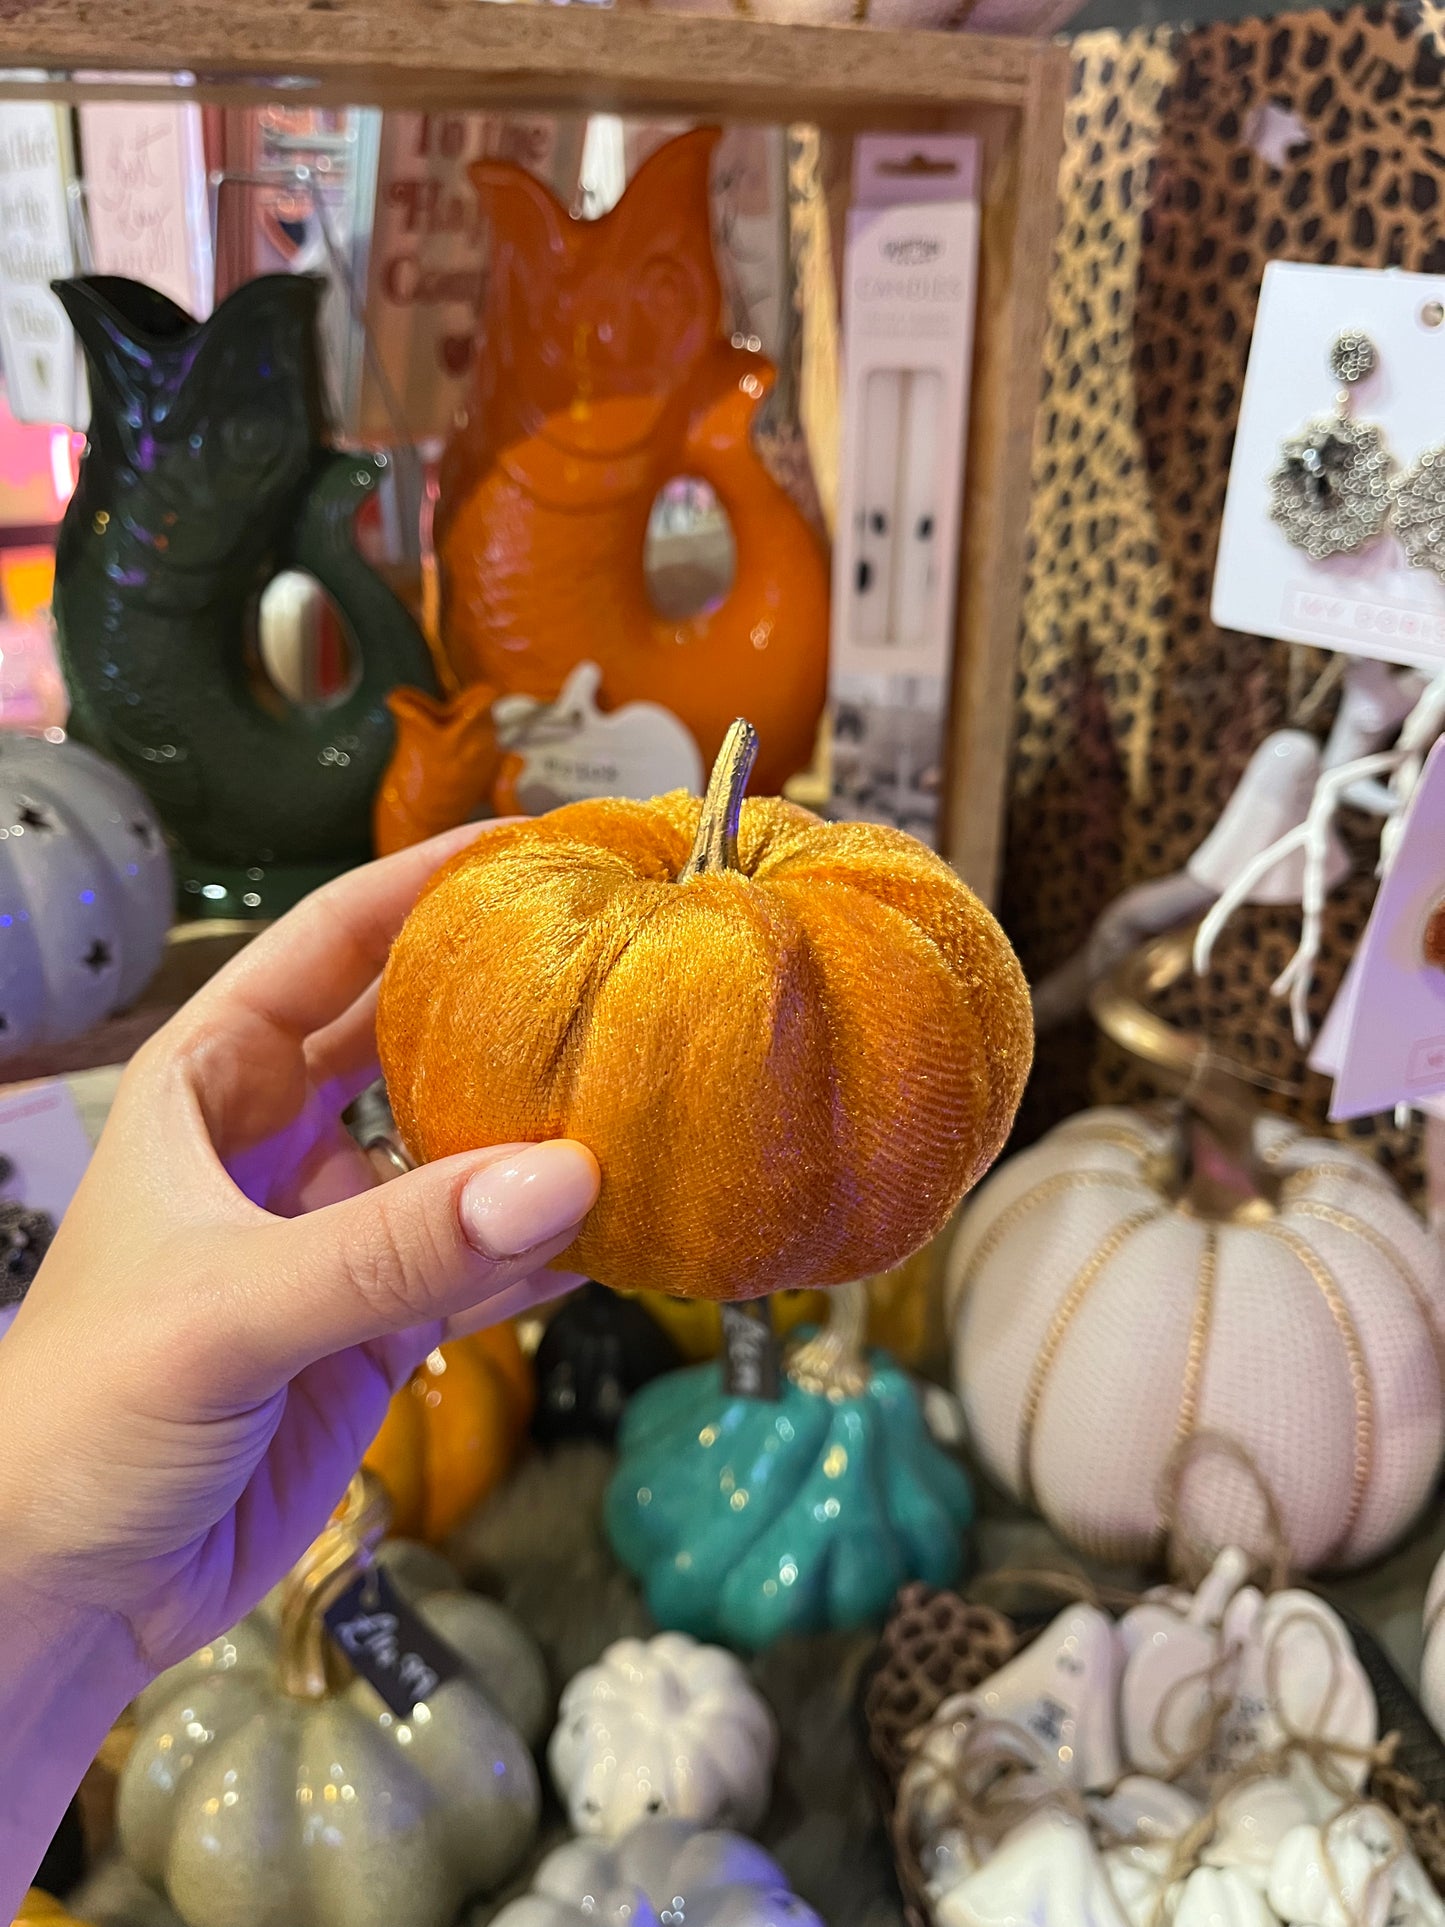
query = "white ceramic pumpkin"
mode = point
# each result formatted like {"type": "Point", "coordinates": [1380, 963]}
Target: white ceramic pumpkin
{"type": "Point", "coordinates": [662, 1725]}
{"type": "Point", "coordinates": [660, 1870]}
{"type": "Point", "coordinates": [86, 890]}
{"type": "Point", "coordinates": [267, 1788]}
{"type": "Point", "coordinates": [1104, 1309]}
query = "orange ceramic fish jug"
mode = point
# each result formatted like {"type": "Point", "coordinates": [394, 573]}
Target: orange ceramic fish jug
{"type": "Point", "coordinates": [602, 374]}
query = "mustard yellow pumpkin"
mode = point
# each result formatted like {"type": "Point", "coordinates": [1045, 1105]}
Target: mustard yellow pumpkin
{"type": "Point", "coordinates": [791, 1045]}
{"type": "Point", "coordinates": [40, 1909]}
{"type": "Point", "coordinates": [452, 1432]}
{"type": "Point", "coordinates": [695, 1324]}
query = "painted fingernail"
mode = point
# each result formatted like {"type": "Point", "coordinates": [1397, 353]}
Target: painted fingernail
{"type": "Point", "coordinates": [524, 1200]}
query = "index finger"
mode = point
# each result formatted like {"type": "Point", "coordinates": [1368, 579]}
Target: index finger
{"type": "Point", "coordinates": [312, 965]}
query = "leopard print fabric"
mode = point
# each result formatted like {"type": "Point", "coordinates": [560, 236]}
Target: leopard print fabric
{"type": "Point", "coordinates": [1137, 714]}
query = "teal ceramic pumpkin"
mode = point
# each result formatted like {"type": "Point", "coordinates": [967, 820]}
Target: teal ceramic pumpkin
{"type": "Point", "coordinates": [746, 1519]}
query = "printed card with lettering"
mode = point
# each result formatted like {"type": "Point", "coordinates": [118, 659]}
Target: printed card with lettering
{"type": "Point", "coordinates": [1364, 597]}
{"type": "Point", "coordinates": [146, 197]}
{"type": "Point", "coordinates": [44, 374]}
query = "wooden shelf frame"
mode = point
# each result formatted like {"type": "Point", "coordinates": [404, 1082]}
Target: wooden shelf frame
{"type": "Point", "coordinates": [461, 54]}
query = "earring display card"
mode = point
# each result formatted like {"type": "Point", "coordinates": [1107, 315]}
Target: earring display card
{"type": "Point", "coordinates": [146, 197]}
{"type": "Point", "coordinates": [910, 279]}
{"type": "Point", "coordinates": [44, 374]}
{"type": "Point", "coordinates": [1366, 599]}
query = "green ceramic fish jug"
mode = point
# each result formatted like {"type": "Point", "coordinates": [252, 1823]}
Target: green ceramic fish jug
{"type": "Point", "coordinates": [206, 474]}
{"type": "Point", "coordinates": [746, 1519]}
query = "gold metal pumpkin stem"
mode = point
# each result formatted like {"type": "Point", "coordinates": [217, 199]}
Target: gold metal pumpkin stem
{"type": "Point", "coordinates": [834, 1362]}
{"type": "Point", "coordinates": [715, 848]}
{"type": "Point", "coordinates": [310, 1668]}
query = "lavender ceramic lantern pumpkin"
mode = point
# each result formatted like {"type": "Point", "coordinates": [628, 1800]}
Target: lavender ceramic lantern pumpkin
{"type": "Point", "coordinates": [86, 890]}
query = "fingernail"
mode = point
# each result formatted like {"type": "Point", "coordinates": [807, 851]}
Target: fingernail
{"type": "Point", "coordinates": [526, 1199]}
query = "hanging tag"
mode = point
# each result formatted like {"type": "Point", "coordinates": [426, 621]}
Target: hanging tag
{"type": "Point", "coordinates": [1392, 1050]}
{"type": "Point", "coordinates": [387, 1642]}
{"type": "Point", "coordinates": [752, 1367]}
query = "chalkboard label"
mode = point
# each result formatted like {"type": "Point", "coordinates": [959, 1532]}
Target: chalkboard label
{"type": "Point", "coordinates": [389, 1644]}
{"type": "Point", "coordinates": [751, 1366]}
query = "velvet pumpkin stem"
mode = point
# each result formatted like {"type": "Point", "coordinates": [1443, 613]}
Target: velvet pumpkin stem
{"type": "Point", "coordinates": [715, 847]}
{"type": "Point", "coordinates": [310, 1667]}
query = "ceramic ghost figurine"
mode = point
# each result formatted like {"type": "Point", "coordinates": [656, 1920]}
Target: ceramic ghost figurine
{"type": "Point", "coordinates": [1221, 1897]}
{"type": "Point", "coordinates": [1254, 1818]}
{"type": "Point", "coordinates": [1361, 1860]}
{"type": "Point", "coordinates": [1151, 1815]}
{"type": "Point", "coordinates": [1062, 1690]}
{"type": "Point", "coordinates": [1172, 1673]}
{"type": "Point", "coordinates": [1046, 1873]}
{"type": "Point", "coordinates": [1298, 1674]}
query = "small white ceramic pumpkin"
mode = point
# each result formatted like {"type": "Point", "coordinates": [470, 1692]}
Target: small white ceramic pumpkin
{"type": "Point", "coordinates": [265, 1789]}
{"type": "Point", "coordinates": [661, 1870]}
{"type": "Point", "coordinates": [662, 1725]}
{"type": "Point", "coordinates": [86, 890]}
{"type": "Point", "coordinates": [1106, 1307]}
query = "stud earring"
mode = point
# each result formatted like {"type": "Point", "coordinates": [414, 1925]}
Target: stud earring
{"type": "Point", "coordinates": [1331, 491]}
{"type": "Point", "coordinates": [1419, 503]}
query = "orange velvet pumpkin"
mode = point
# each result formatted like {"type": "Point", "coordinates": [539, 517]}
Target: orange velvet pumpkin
{"type": "Point", "coordinates": [451, 1433]}
{"type": "Point", "coordinates": [791, 1045]}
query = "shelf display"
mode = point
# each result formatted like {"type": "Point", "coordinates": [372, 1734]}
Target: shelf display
{"type": "Point", "coordinates": [707, 1040]}
{"type": "Point", "coordinates": [453, 1432]}
{"type": "Point", "coordinates": [1126, 1284]}
{"type": "Point", "coordinates": [205, 475]}
{"type": "Point", "coordinates": [265, 1713]}
{"type": "Point", "coordinates": [86, 890]}
{"type": "Point", "coordinates": [747, 1519]}
{"type": "Point", "coordinates": [662, 1726]}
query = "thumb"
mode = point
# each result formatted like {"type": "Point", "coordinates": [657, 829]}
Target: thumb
{"type": "Point", "coordinates": [439, 1240]}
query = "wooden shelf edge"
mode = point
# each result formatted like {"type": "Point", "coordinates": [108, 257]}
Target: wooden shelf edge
{"type": "Point", "coordinates": [470, 52]}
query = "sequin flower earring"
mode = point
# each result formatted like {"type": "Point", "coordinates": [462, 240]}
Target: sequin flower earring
{"type": "Point", "coordinates": [1419, 501]}
{"type": "Point", "coordinates": [1331, 491]}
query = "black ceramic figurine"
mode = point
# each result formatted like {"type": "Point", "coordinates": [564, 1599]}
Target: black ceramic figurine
{"type": "Point", "coordinates": [205, 475]}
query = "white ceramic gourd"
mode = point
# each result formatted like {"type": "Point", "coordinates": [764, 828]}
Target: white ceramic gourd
{"type": "Point", "coordinates": [1101, 1315]}
{"type": "Point", "coordinates": [662, 1725]}
{"type": "Point", "coordinates": [86, 890]}
{"type": "Point", "coordinates": [661, 1870]}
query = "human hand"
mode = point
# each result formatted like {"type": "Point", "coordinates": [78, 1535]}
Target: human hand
{"type": "Point", "coordinates": [228, 1305]}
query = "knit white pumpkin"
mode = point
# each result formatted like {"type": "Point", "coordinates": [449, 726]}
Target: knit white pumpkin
{"type": "Point", "coordinates": [1098, 1320]}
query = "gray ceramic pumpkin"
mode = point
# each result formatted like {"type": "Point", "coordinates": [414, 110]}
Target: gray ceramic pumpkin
{"type": "Point", "coordinates": [86, 890]}
{"type": "Point", "coordinates": [265, 1791]}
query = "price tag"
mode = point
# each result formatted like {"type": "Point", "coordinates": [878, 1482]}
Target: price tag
{"type": "Point", "coordinates": [389, 1644]}
{"type": "Point", "coordinates": [751, 1365]}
